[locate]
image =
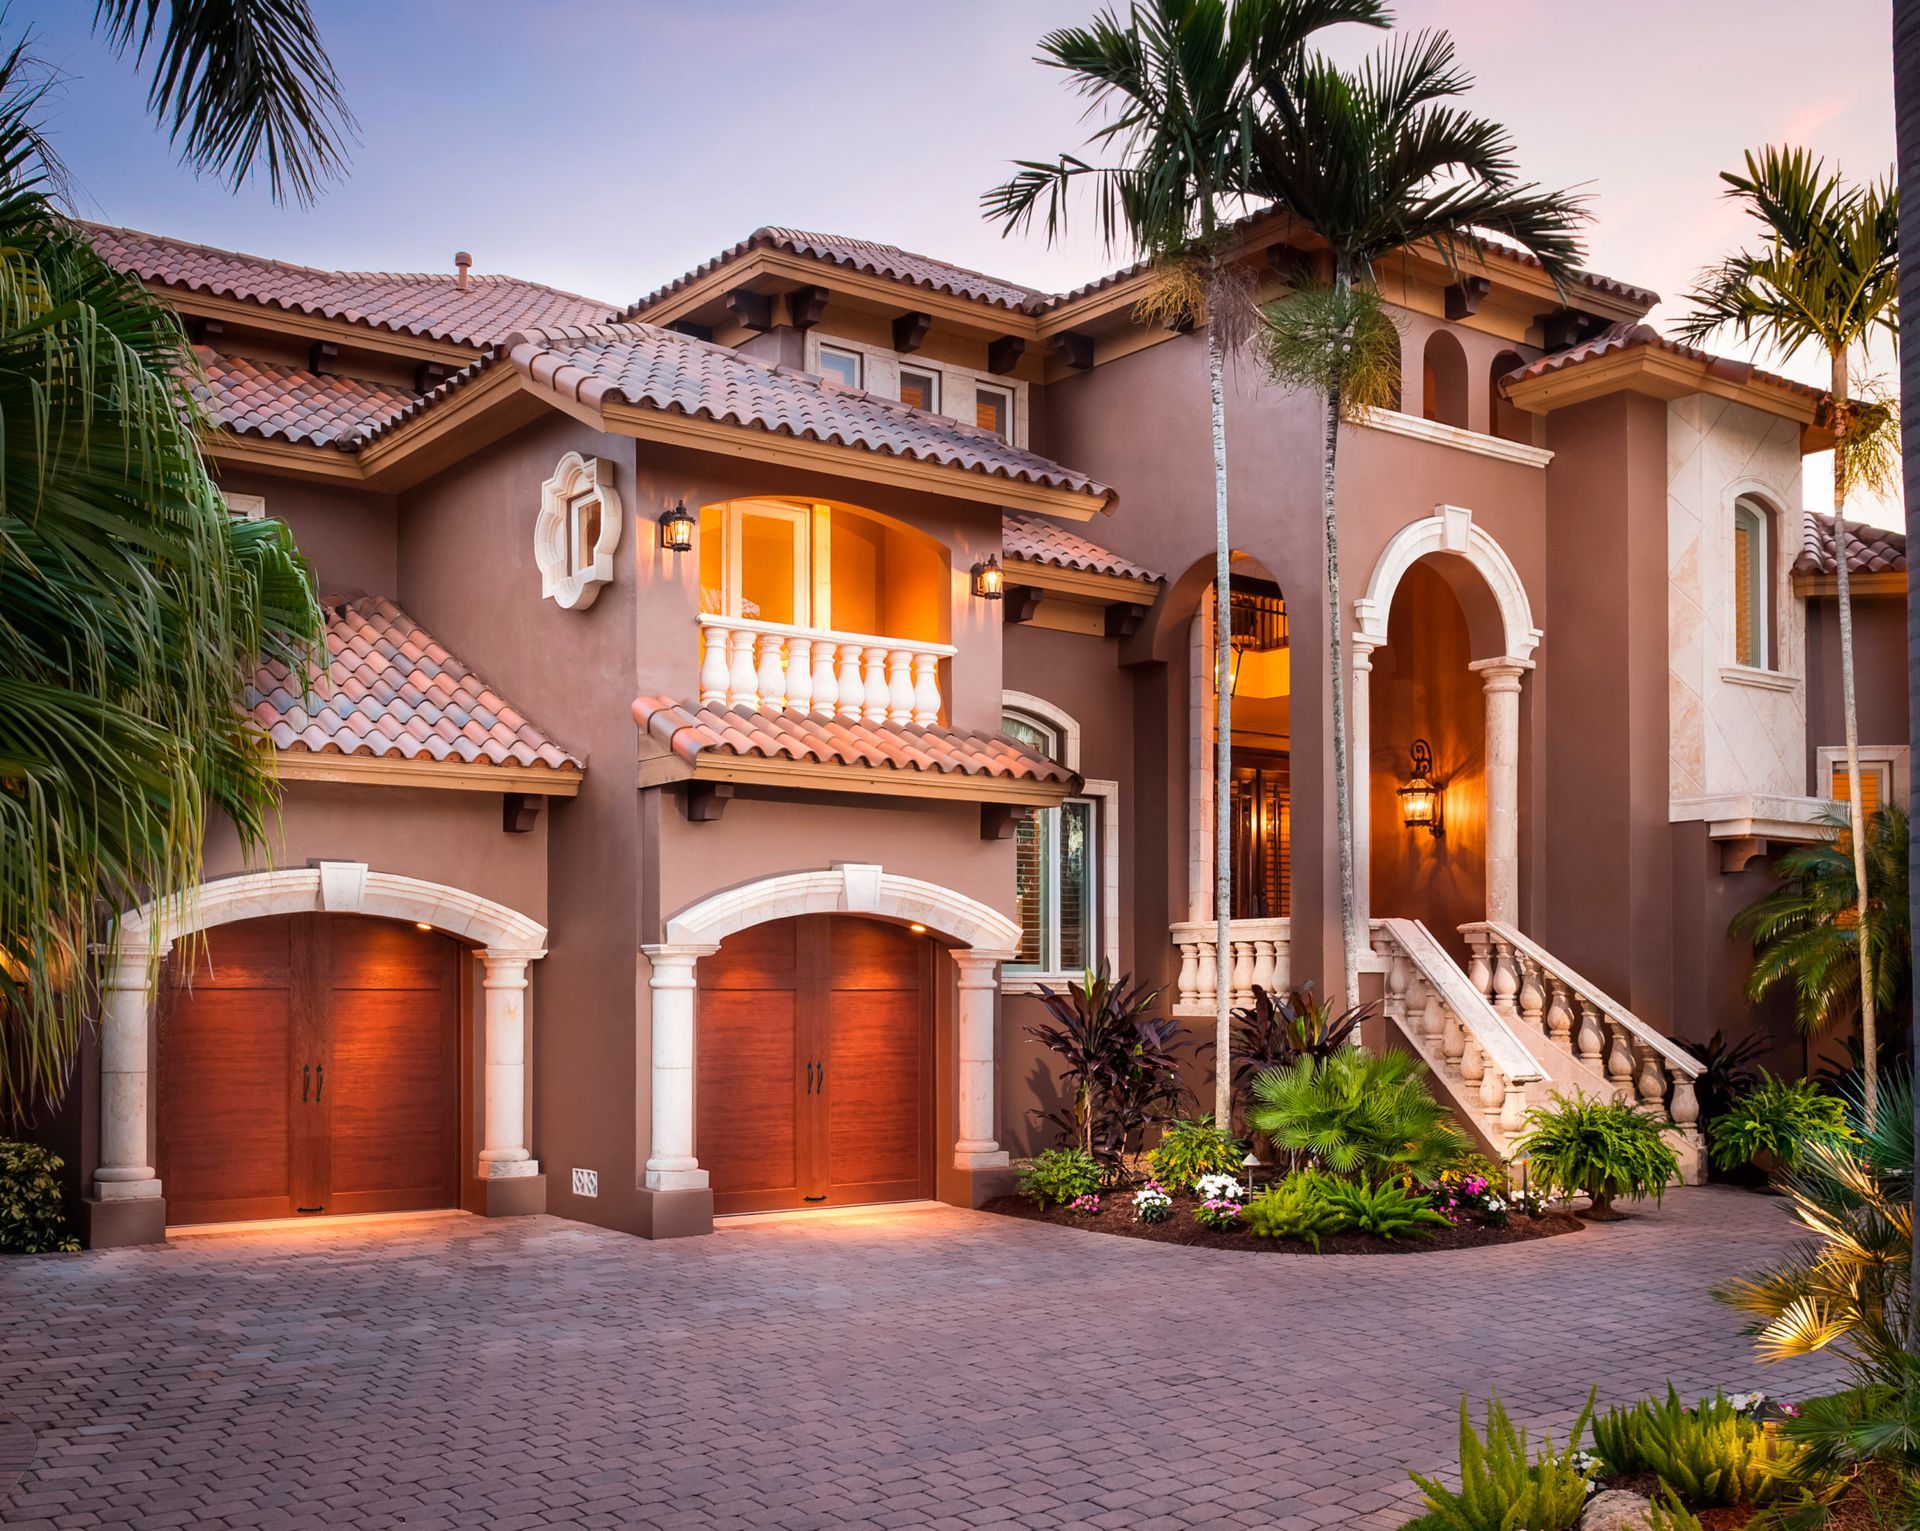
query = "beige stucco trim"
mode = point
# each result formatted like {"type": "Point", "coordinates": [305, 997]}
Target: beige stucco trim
{"type": "Point", "coordinates": [1881, 582]}
{"type": "Point", "coordinates": [1082, 582]}
{"type": "Point", "coordinates": [1662, 374]}
{"type": "Point", "coordinates": [1398, 424]}
{"type": "Point", "coordinates": [444, 775]}
{"type": "Point", "coordinates": [876, 781]}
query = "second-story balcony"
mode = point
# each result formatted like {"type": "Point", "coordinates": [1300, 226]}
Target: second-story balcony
{"type": "Point", "coordinates": [776, 666]}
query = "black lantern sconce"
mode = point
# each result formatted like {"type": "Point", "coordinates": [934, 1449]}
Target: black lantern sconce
{"type": "Point", "coordinates": [676, 528]}
{"type": "Point", "coordinates": [989, 580]}
{"type": "Point", "coordinates": [1420, 798]}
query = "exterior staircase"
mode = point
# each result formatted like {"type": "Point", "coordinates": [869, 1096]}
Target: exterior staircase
{"type": "Point", "coordinates": [1517, 1026]}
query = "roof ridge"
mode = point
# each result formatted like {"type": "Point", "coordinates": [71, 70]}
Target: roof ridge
{"type": "Point", "coordinates": [893, 249]}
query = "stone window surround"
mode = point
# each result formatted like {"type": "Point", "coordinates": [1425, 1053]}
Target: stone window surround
{"type": "Point", "coordinates": [569, 588]}
{"type": "Point", "coordinates": [1892, 758]}
{"type": "Point", "coordinates": [983, 937]}
{"type": "Point", "coordinates": [880, 370]}
{"type": "Point", "coordinates": [1107, 904]}
{"type": "Point", "coordinates": [506, 940]}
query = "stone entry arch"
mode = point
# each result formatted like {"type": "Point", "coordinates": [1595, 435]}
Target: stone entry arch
{"type": "Point", "coordinates": [984, 936]}
{"type": "Point", "coordinates": [507, 941]}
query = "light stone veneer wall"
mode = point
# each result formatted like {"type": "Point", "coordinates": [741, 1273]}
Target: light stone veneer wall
{"type": "Point", "coordinates": [1731, 729]}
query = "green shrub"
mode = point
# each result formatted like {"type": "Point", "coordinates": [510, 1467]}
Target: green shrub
{"type": "Point", "coordinates": [1188, 1150]}
{"type": "Point", "coordinates": [1387, 1211]}
{"type": "Point", "coordinates": [1710, 1455]}
{"type": "Point", "coordinates": [1358, 1113]}
{"type": "Point", "coordinates": [1060, 1176]}
{"type": "Point", "coordinates": [1603, 1148]}
{"type": "Point", "coordinates": [32, 1219]}
{"type": "Point", "coordinates": [1296, 1208]}
{"type": "Point", "coordinates": [1778, 1117]}
{"type": "Point", "coordinates": [1501, 1487]}
{"type": "Point", "coordinates": [1667, 1513]}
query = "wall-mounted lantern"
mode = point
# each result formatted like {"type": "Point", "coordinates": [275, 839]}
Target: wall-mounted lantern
{"type": "Point", "coordinates": [989, 580]}
{"type": "Point", "coordinates": [676, 528]}
{"type": "Point", "coordinates": [1420, 798]}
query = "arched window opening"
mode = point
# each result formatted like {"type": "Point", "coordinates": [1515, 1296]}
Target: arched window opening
{"type": "Point", "coordinates": [1510, 421]}
{"type": "Point", "coordinates": [1444, 396]}
{"type": "Point", "coordinates": [1056, 879]}
{"type": "Point", "coordinates": [1260, 794]}
{"type": "Point", "coordinates": [1752, 586]}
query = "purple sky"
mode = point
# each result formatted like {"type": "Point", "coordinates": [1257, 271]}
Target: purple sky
{"type": "Point", "coordinates": [607, 147]}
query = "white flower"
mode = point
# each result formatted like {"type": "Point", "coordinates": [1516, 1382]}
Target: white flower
{"type": "Point", "coordinates": [1218, 1188]}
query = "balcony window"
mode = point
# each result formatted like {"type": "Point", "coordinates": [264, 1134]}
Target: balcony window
{"type": "Point", "coordinates": [920, 389]}
{"type": "Point", "coordinates": [1751, 606]}
{"type": "Point", "coordinates": [1055, 875]}
{"type": "Point", "coordinates": [841, 365]}
{"type": "Point", "coordinates": [993, 410]}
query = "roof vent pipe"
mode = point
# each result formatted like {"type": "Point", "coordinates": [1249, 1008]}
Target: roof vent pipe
{"type": "Point", "coordinates": [462, 264]}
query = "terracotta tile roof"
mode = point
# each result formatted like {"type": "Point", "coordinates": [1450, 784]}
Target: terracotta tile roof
{"type": "Point", "coordinates": [1628, 337]}
{"type": "Point", "coordinates": [1038, 540]}
{"type": "Point", "coordinates": [658, 369]}
{"type": "Point", "coordinates": [429, 304]}
{"type": "Point", "coordinates": [1870, 549]}
{"type": "Point", "coordinates": [712, 729]}
{"type": "Point", "coordinates": [391, 690]}
{"type": "Point", "coordinates": [254, 398]}
{"type": "Point", "coordinates": [861, 255]}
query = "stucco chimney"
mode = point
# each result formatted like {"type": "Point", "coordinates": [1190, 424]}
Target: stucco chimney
{"type": "Point", "coordinates": [462, 263]}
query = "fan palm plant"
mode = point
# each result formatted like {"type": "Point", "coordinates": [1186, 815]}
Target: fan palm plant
{"type": "Point", "coordinates": [1807, 932]}
{"type": "Point", "coordinates": [1371, 161]}
{"type": "Point", "coordinates": [1825, 273]}
{"type": "Point", "coordinates": [1369, 1115]}
{"type": "Point", "coordinates": [1177, 79]}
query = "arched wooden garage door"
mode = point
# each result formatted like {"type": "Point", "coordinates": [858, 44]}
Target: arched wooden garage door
{"type": "Point", "coordinates": [815, 1077]}
{"type": "Point", "coordinates": [309, 1064]}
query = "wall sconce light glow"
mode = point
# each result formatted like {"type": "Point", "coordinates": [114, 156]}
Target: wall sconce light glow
{"type": "Point", "coordinates": [989, 580]}
{"type": "Point", "coordinates": [1420, 798]}
{"type": "Point", "coordinates": [918, 930]}
{"type": "Point", "coordinates": [676, 529]}
{"type": "Point", "coordinates": [421, 925]}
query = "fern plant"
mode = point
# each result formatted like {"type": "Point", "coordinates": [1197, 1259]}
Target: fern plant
{"type": "Point", "coordinates": [1189, 1150]}
{"type": "Point", "coordinates": [1709, 1455]}
{"type": "Point", "coordinates": [1779, 1117]}
{"type": "Point", "coordinates": [1368, 1115]}
{"type": "Point", "coordinates": [1387, 1211]}
{"type": "Point", "coordinates": [1296, 1208]}
{"type": "Point", "coordinates": [1059, 1176]}
{"type": "Point", "coordinates": [1502, 1487]}
{"type": "Point", "coordinates": [1603, 1149]}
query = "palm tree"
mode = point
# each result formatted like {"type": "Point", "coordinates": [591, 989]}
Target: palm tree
{"type": "Point", "coordinates": [132, 606]}
{"type": "Point", "coordinates": [1372, 161]}
{"type": "Point", "coordinates": [1825, 273]}
{"type": "Point", "coordinates": [1177, 79]}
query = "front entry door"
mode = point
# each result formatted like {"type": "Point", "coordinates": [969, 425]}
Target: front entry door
{"type": "Point", "coordinates": [815, 1079]}
{"type": "Point", "coordinates": [309, 1064]}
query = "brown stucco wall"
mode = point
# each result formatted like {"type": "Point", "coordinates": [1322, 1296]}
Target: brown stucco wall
{"type": "Point", "coordinates": [348, 536]}
{"type": "Point", "coordinates": [1880, 675]}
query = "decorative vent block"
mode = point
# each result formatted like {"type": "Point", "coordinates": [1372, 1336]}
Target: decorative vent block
{"type": "Point", "coordinates": [586, 1182]}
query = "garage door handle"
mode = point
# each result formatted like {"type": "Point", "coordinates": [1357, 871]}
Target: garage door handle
{"type": "Point", "coordinates": [319, 1083]}
{"type": "Point", "coordinates": [823, 1078]}
{"type": "Point", "coordinates": [809, 1078]}
{"type": "Point", "coordinates": [306, 1081]}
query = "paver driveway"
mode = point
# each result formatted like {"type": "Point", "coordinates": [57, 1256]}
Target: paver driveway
{"type": "Point", "coordinates": [926, 1368]}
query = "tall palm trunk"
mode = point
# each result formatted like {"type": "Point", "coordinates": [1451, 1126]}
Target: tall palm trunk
{"type": "Point", "coordinates": [1869, 1036]}
{"type": "Point", "coordinates": [1342, 770]}
{"type": "Point", "coordinates": [1222, 747]}
{"type": "Point", "coordinates": [1906, 91]}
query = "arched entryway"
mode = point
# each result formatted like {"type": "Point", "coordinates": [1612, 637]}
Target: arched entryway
{"type": "Point", "coordinates": [393, 933]}
{"type": "Point", "coordinates": [848, 925]}
{"type": "Point", "coordinates": [1447, 623]}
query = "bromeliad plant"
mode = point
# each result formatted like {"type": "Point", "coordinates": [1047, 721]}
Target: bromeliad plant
{"type": "Point", "coordinates": [1602, 1149]}
{"type": "Point", "coordinates": [1358, 1114]}
{"type": "Point", "coordinates": [1120, 1064]}
{"type": "Point", "coordinates": [1778, 1118]}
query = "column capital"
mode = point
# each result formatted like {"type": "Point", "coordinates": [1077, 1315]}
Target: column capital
{"type": "Point", "coordinates": [1501, 674]}
{"type": "Point", "coordinates": [673, 962]}
{"type": "Point", "coordinates": [976, 966]}
{"type": "Point", "coordinates": [507, 965]}
{"type": "Point", "coordinates": [1361, 646]}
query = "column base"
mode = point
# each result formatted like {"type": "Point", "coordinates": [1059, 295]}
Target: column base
{"type": "Point", "coordinates": [126, 1190]}
{"type": "Point", "coordinates": [989, 1183]}
{"type": "Point", "coordinates": [507, 1169]}
{"type": "Point", "coordinates": [977, 1159]}
{"type": "Point", "coordinates": [674, 1180]}
{"type": "Point", "coordinates": [676, 1214]}
{"type": "Point", "coordinates": [117, 1222]}
{"type": "Point", "coordinates": [516, 1195]}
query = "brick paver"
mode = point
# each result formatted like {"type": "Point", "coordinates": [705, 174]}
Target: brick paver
{"type": "Point", "coordinates": [913, 1369]}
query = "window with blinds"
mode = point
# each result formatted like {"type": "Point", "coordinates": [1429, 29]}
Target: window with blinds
{"type": "Point", "coordinates": [1872, 786]}
{"type": "Point", "coordinates": [1262, 836]}
{"type": "Point", "coordinates": [1749, 586]}
{"type": "Point", "coordinates": [1055, 871]}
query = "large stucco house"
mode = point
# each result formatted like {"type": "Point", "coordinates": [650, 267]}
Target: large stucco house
{"type": "Point", "coordinates": [741, 701]}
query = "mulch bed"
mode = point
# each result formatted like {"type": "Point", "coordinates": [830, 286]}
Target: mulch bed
{"type": "Point", "coordinates": [1116, 1217]}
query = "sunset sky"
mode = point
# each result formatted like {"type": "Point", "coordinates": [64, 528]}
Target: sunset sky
{"type": "Point", "coordinates": [606, 148]}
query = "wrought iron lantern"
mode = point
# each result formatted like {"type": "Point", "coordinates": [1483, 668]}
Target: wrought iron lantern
{"type": "Point", "coordinates": [989, 579]}
{"type": "Point", "coordinates": [1421, 797]}
{"type": "Point", "coordinates": [676, 528]}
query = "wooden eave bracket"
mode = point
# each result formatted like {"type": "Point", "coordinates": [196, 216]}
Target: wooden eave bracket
{"type": "Point", "coordinates": [1073, 347]}
{"type": "Point", "coordinates": [519, 812]}
{"type": "Point", "coordinates": [910, 330]}
{"type": "Point", "coordinates": [752, 309]}
{"type": "Point", "coordinates": [1004, 353]}
{"type": "Point", "coordinates": [1123, 619]}
{"type": "Point", "coordinates": [1465, 296]}
{"type": "Point", "coordinates": [707, 800]}
{"type": "Point", "coordinates": [1021, 604]}
{"type": "Point", "coordinates": [1001, 821]}
{"type": "Point", "coordinates": [1562, 328]}
{"type": "Point", "coordinates": [806, 307]}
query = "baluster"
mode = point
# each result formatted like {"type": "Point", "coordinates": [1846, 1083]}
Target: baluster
{"type": "Point", "coordinates": [1396, 1006]}
{"type": "Point", "coordinates": [853, 695]}
{"type": "Point", "coordinates": [1592, 1040]}
{"type": "Point", "coordinates": [1493, 1090]}
{"type": "Point", "coordinates": [1505, 985]}
{"type": "Point", "coordinates": [1513, 1110]}
{"type": "Point", "coordinates": [1479, 970]}
{"type": "Point", "coordinates": [1433, 1022]}
{"type": "Point", "coordinates": [926, 689]}
{"type": "Point", "coordinates": [899, 686]}
{"type": "Point", "coordinates": [1204, 989]}
{"type": "Point", "coordinates": [826, 684]}
{"type": "Point", "coordinates": [771, 681]}
{"type": "Point", "coordinates": [1685, 1110]}
{"type": "Point", "coordinates": [1620, 1061]}
{"type": "Point", "coordinates": [1651, 1081]}
{"type": "Point", "coordinates": [1453, 1042]}
{"type": "Point", "coordinates": [713, 665]}
{"type": "Point", "coordinates": [873, 677]}
{"type": "Point", "coordinates": [741, 680]}
{"type": "Point", "coordinates": [1560, 1017]}
{"type": "Point", "coordinates": [1533, 999]}
{"type": "Point", "coordinates": [1473, 1064]}
{"type": "Point", "coordinates": [1189, 977]}
{"type": "Point", "coordinates": [1242, 971]}
{"type": "Point", "coordinates": [800, 674]}
{"type": "Point", "coordinates": [1265, 964]}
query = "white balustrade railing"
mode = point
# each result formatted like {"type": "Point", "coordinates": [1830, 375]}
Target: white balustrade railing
{"type": "Point", "coordinates": [1530, 986]}
{"type": "Point", "coordinates": [775, 667]}
{"type": "Point", "coordinates": [1473, 1050]}
{"type": "Point", "coordinates": [1260, 957]}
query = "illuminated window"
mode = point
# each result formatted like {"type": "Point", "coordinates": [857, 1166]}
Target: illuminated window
{"type": "Point", "coordinates": [1750, 635]}
{"type": "Point", "coordinates": [583, 531]}
{"type": "Point", "coordinates": [920, 389]}
{"type": "Point", "coordinates": [841, 366]}
{"type": "Point", "coordinates": [993, 411]}
{"type": "Point", "coordinates": [1055, 875]}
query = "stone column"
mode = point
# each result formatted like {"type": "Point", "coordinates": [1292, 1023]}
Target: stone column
{"type": "Point", "coordinates": [1501, 678]}
{"type": "Point", "coordinates": [505, 1154]}
{"type": "Point", "coordinates": [1360, 785]}
{"type": "Point", "coordinates": [125, 1085]}
{"type": "Point", "coordinates": [976, 1148]}
{"type": "Point", "coordinates": [671, 1165]}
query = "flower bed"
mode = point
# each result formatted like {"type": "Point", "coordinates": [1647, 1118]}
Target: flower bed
{"type": "Point", "coordinates": [1180, 1226]}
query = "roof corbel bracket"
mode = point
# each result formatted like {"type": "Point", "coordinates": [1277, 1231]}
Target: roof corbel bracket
{"type": "Point", "coordinates": [519, 812]}
{"type": "Point", "coordinates": [1565, 328]}
{"type": "Point", "coordinates": [1003, 354]}
{"type": "Point", "coordinates": [1123, 618]}
{"type": "Point", "coordinates": [910, 330]}
{"type": "Point", "coordinates": [806, 306]}
{"type": "Point", "coordinates": [752, 309]}
{"type": "Point", "coordinates": [707, 800]}
{"type": "Point", "coordinates": [323, 357]}
{"type": "Point", "coordinates": [1465, 296]}
{"type": "Point", "coordinates": [999, 821]}
{"type": "Point", "coordinates": [1074, 348]}
{"type": "Point", "coordinates": [1021, 604]}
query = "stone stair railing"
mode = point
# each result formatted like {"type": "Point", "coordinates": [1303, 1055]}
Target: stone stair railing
{"type": "Point", "coordinates": [1260, 956]}
{"type": "Point", "coordinates": [1598, 1045]}
{"type": "Point", "coordinates": [1476, 1053]}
